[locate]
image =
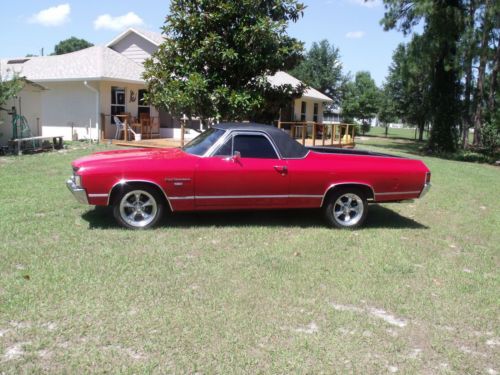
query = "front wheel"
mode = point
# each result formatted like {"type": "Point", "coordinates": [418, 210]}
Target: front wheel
{"type": "Point", "coordinates": [138, 208]}
{"type": "Point", "coordinates": [346, 208]}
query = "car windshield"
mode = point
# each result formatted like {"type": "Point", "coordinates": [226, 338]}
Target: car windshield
{"type": "Point", "coordinates": [203, 142]}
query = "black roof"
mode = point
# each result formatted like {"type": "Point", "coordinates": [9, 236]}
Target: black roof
{"type": "Point", "coordinates": [288, 147]}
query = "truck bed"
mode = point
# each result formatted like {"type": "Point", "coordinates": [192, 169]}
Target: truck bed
{"type": "Point", "coordinates": [349, 151]}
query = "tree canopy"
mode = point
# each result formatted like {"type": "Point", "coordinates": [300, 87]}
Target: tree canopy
{"type": "Point", "coordinates": [9, 88]}
{"type": "Point", "coordinates": [408, 83]}
{"type": "Point", "coordinates": [361, 98]}
{"type": "Point", "coordinates": [70, 45]}
{"type": "Point", "coordinates": [460, 46]}
{"type": "Point", "coordinates": [322, 70]}
{"type": "Point", "coordinates": [216, 55]}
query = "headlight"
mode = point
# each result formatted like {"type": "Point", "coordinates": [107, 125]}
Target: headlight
{"type": "Point", "coordinates": [78, 180]}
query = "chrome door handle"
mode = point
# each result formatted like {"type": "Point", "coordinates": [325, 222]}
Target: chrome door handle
{"type": "Point", "coordinates": [281, 169]}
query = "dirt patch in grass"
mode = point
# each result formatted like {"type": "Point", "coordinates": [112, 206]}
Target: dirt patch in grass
{"type": "Point", "coordinates": [373, 312]}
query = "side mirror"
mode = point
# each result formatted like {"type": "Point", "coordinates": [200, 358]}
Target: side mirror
{"type": "Point", "coordinates": [236, 156]}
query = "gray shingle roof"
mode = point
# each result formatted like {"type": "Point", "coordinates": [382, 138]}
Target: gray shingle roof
{"type": "Point", "coordinates": [92, 63]}
{"type": "Point", "coordinates": [283, 78]}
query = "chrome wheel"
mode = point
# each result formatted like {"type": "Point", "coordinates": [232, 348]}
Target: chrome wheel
{"type": "Point", "coordinates": [348, 209]}
{"type": "Point", "coordinates": [138, 208]}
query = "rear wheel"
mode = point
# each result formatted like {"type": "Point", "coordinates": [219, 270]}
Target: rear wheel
{"type": "Point", "coordinates": [138, 207]}
{"type": "Point", "coordinates": [346, 208]}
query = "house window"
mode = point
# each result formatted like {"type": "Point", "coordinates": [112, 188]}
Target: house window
{"type": "Point", "coordinates": [117, 101]}
{"type": "Point", "coordinates": [315, 113]}
{"type": "Point", "coordinates": [303, 111]}
{"type": "Point", "coordinates": [142, 105]}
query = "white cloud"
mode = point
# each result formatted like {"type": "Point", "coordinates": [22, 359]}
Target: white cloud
{"type": "Point", "coordinates": [367, 4]}
{"type": "Point", "coordinates": [355, 34]}
{"type": "Point", "coordinates": [53, 16]}
{"type": "Point", "coordinates": [105, 21]}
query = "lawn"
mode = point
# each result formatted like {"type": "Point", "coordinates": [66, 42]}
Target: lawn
{"type": "Point", "coordinates": [415, 291]}
{"type": "Point", "coordinates": [404, 133]}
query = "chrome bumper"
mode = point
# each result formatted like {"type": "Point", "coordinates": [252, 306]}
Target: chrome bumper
{"type": "Point", "coordinates": [79, 193]}
{"type": "Point", "coordinates": [425, 189]}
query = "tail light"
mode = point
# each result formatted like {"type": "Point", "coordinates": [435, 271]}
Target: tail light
{"type": "Point", "coordinates": [428, 178]}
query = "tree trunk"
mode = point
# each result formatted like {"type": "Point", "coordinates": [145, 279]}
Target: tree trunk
{"type": "Point", "coordinates": [469, 57]}
{"type": "Point", "coordinates": [444, 92]}
{"type": "Point", "coordinates": [494, 80]}
{"type": "Point", "coordinates": [478, 115]}
{"type": "Point", "coordinates": [421, 128]}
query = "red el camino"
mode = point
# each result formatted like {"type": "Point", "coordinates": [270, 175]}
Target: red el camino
{"type": "Point", "coordinates": [244, 166]}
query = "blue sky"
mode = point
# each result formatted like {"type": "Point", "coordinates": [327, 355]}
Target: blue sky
{"type": "Point", "coordinates": [351, 25]}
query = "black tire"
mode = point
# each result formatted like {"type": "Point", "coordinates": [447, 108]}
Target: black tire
{"type": "Point", "coordinates": [346, 208]}
{"type": "Point", "coordinates": [138, 207]}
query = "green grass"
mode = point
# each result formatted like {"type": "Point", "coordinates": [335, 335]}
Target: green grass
{"type": "Point", "coordinates": [405, 133]}
{"type": "Point", "coordinates": [261, 292]}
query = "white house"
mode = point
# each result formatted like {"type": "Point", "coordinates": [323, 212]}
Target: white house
{"type": "Point", "coordinates": [309, 107]}
{"type": "Point", "coordinates": [81, 89]}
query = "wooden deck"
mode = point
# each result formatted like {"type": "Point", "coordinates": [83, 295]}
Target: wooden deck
{"type": "Point", "coordinates": [170, 142]}
{"type": "Point", "coordinates": [152, 143]}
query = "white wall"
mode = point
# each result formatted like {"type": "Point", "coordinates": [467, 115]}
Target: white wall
{"type": "Point", "coordinates": [67, 107]}
{"type": "Point", "coordinates": [176, 133]}
{"type": "Point", "coordinates": [297, 106]}
{"type": "Point", "coordinates": [27, 104]}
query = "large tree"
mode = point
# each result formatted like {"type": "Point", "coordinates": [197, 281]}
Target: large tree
{"type": "Point", "coordinates": [387, 111]}
{"type": "Point", "coordinates": [216, 55]}
{"type": "Point", "coordinates": [70, 45]}
{"type": "Point", "coordinates": [322, 70]}
{"type": "Point", "coordinates": [361, 98]}
{"type": "Point", "coordinates": [443, 23]}
{"type": "Point", "coordinates": [408, 82]}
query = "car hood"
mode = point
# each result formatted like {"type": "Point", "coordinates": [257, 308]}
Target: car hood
{"type": "Point", "coordinates": [127, 156]}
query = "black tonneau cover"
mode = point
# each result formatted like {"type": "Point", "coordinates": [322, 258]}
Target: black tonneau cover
{"type": "Point", "coordinates": [349, 151]}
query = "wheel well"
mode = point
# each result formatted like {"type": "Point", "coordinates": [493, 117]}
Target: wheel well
{"type": "Point", "coordinates": [136, 184]}
{"type": "Point", "coordinates": [366, 189]}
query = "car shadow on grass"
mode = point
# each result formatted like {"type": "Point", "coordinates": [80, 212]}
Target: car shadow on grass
{"type": "Point", "coordinates": [378, 217]}
{"type": "Point", "coordinates": [383, 217]}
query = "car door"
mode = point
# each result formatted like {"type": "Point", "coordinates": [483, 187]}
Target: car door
{"type": "Point", "coordinates": [245, 172]}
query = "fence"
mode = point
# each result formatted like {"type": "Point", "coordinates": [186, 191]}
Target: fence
{"type": "Point", "coordinates": [341, 135]}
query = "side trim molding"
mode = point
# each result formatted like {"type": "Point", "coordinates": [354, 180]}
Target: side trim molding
{"type": "Point", "coordinates": [399, 193]}
{"type": "Point", "coordinates": [190, 197]}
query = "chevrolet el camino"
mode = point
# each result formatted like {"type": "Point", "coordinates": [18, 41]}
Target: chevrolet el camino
{"type": "Point", "coordinates": [244, 167]}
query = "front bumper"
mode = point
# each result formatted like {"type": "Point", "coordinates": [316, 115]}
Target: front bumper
{"type": "Point", "coordinates": [425, 189]}
{"type": "Point", "coordinates": [79, 193]}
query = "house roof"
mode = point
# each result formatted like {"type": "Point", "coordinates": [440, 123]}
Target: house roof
{"type": "Point", "coordinates": [283, 78]}
{"type": "Point", "coordinates": [151, 36]}
{"type": "Point", "coordinates": [94, 63]}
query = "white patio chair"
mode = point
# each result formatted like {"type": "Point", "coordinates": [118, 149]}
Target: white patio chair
{"type": "Point", "coordinates": [120, 127]}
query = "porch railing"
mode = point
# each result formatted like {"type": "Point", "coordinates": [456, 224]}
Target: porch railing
{"type": "Point", "coordinates": [341, 135]}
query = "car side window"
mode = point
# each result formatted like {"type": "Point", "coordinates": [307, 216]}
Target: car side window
{"type": "Point", "coordinates": [226, 149]}
{"type": "Point", "coordinates": [254, 146]}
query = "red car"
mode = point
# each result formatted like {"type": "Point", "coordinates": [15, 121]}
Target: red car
{"type": "Point", "coordinates": [244, 166]}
